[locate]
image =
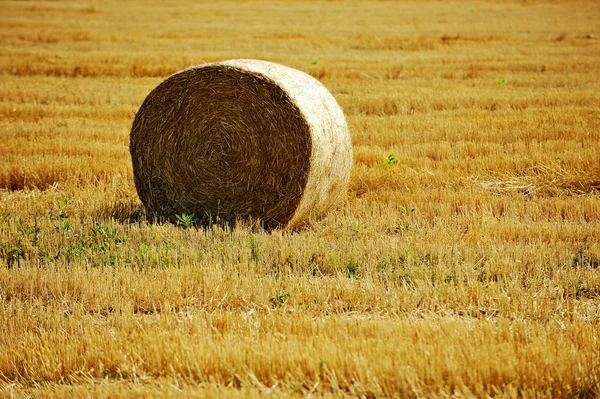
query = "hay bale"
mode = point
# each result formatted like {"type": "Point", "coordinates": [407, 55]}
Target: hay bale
{"type": "Point", "coordinates": [239, 139]}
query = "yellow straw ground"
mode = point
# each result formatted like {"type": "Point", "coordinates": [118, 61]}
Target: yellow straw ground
{"type": "Point", "coordinates": [465, 261]}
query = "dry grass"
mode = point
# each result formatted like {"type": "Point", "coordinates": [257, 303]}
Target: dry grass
{"type": "Point", "coordinates": [466, 264]}
{"type": "Point", "coordinates": [551, 180]}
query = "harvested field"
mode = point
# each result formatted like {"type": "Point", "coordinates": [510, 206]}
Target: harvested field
{"type": "Point", "coordinates": [463, 263]}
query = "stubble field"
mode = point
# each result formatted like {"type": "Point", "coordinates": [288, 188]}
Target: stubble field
{"type": "Point", "coordinates": [464, 262]}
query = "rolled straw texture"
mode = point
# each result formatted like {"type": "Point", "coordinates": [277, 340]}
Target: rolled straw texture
{"type": "Point", "coordinates": [241, 139]}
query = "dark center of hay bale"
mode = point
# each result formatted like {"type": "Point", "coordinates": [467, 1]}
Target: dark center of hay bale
{"type": "Point", "coordinates": [222, 144]}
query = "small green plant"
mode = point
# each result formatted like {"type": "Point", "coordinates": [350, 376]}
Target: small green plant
{"type": "Point", "coordinates": [111, 259]}
{"type": "Point", "coordinates": [407, 210]}
{"type": "Point", "coordinates": [151, 256]}
{"type": "Point", "coordinates": [254, 249]}
{"type": "Point", "coordinates": [165, 248]}
{"type": "Point", "coordinates": [500, 81]}
{"type": "Point", "coordinates": [15, 254]}
{"type": "Point", "coordinates": [104, 246]}
{"type": "Point", "coordinates": [314, 62]}
{"type": "Point", "coordinates": [185, 220]}
{"type": "Point", "coordinates": [106, 232]}
{"type": "Point", "coordinates": [64, 227]}
{"type": "Point", "coordinates": [322, 368]}
{"type": "Point", "coordinates": [65, 200]}
{"type": "Point", "coordinates": [72, 252]}
{"type": "Point", "coordinates": [582, 259]}
{"type": "Point", "coordinates": [143, 249]}
{"type": "Point", "coordinates": [28, 230]}
{"type": "Point", "coordinates": [165, 262]}
{"type": "Point", "coordinates": [352, 268]}
{"type": "Point", "coordinates": [391, 160]}
{"type": "Point", "coordinates": [281, 298]}
{"type": "Point", "coordinates": [104, 235]}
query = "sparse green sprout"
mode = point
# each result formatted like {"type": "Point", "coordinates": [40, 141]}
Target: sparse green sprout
{"type": "Point", "coordinates": [583, 259]}
{"type": "Point", "coordinates": [391, 160]}
{"type": "Point", "coordinates": [143, 249]}
{"type": "Point", "coordinates": [165, 262]}
{"type": "Point", "coordinates": [407, 210]}
{"type": "Point", "coordinates": [167, 246]}
{"type": "Point", "coordinates": [500, 81]}
{"type": "Point", "coordinates": [63, 227]}
{"type": "Point", "coordinates": [99, 230]}
{"type": "Point", "coordinates": [401, 227]}
{"type": "Point", "coordinates": [15, 254]}
{"type": "Point", "coordinates": [185, 220]}
{"type": "Point", "coordinates": [254, 249]}
{"type": "Point", "coordinates": [314, 62]}
{"type": "Point", "coordinates": [322, 367]}
{"type": "Point", "coordinates": [105, 232]}
{"type": "Point", "coordinates": [281, 298]}
{"type": "Point", "coordinates": [352, 268]}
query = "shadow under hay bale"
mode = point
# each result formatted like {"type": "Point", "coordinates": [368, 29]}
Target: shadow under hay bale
{"type": "Point", "coordinates": [241, 139]}
{"type": "Point", "coordinates": [125, 211]}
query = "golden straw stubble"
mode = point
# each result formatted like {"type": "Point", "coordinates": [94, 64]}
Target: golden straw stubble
{"type": "Point", "coordinates": [238, 139]}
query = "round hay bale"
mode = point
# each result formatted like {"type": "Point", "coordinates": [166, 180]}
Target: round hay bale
{"type": "Point", "coordinates": [239, 139]}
